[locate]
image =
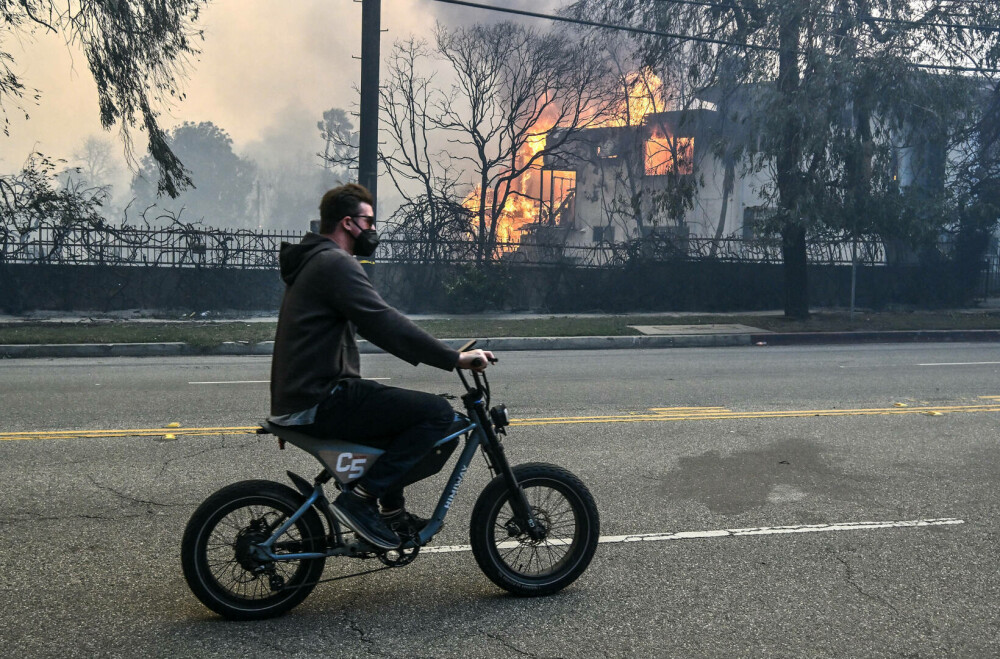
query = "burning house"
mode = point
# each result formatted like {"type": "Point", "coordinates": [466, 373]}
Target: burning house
{"type": "Point", "coordinates": [666, 176]}
{"type": "Point", "coordinates": [659, 176]}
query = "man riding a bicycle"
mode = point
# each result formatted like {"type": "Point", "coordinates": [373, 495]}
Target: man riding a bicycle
{"type": "Point", "coordinates": [316, 382]}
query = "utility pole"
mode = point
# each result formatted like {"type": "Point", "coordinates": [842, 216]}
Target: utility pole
{"type": "Point", "coordinates": [371, 32]}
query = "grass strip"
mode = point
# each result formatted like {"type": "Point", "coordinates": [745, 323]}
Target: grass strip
{"type": "Point", "coordinates": [204, 334]}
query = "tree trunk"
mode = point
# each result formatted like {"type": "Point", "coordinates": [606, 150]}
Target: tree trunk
{"type": "Point", "coordinates": [728, 182]}
{"type": "Point", "coordinates": [481, 243]}
{"type": "Point", "coordinates": [789, 162]}
{"type": "Point", "coordinates": [793, 251]}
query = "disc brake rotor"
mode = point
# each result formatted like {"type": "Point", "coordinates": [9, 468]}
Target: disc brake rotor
{"type": "Point", "coordinates": [514, 529]}
{"type": "Point", "coordinates": [246, 542]}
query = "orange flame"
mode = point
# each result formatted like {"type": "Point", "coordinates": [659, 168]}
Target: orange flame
{"type": "Point", "coordinates": [666, 153]}
{"type": "Point", "coordinates": [524, 207]}
{"type": "Point", "coordinates": [644, 91]}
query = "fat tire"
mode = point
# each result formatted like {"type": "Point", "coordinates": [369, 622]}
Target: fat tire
{"type": "Point", "coordinates": [483, 537]}
{"type": "Point", "coordinates": [194, 558]}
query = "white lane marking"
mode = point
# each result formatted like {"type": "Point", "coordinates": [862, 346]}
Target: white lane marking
{"type": "Point", "coordinates": [929, 364]}
{"type": "Point", "coordinates": [734, 533]}
{"type": "Point", "coordinates": [255, 381]}
{"type": "Point", "coordinates": [961, 364]}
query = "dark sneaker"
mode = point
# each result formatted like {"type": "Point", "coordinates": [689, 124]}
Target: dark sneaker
{"type": "Point", "coordinates": [363, 517]}
{"type": "Point", "coordinates": [404, 522]}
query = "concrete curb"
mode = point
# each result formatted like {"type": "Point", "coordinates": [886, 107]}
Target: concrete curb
{"type": "Point", "coordinates": [896, 336]}
{"type": "Point", "coordinates": [94, 350]}
{"type": "Point", "coordinates": [517, 344]}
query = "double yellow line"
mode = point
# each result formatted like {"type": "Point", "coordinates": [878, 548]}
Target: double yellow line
{"type": "Point", "coordinates": [717, 413]}
{"type": "Point", "coordinates": [126, 432]}
{"type": "Point", "coordinates": [653, 414]}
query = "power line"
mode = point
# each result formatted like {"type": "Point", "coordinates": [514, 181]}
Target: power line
{"type": "Point", "coordinates": [607, 26]}
{"type": "Point", "coordinates": [670, 35]}
{"type": "Point", "coordinates": [874, 19]}
{"type": "Point", "coordinates": [974, 27]}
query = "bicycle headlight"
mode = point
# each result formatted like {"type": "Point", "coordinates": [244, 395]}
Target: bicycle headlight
{"type": "Point", "coordinates": [500, 417]}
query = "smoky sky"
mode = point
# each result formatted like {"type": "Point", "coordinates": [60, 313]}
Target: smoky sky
{"type": "Point", "coordinates": [460, 15]}
{"type": "Point", "coordinates": [266, 73]}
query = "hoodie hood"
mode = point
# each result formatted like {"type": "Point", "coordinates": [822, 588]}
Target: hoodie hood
{"type": "Point", "coordinates": [292, 258]}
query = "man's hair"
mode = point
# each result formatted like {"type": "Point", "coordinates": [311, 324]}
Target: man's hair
{"type": "Point", "coordinates": [340, 201]}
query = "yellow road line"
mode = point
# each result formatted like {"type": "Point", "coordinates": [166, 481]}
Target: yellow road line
{"type": "Point", "coordinates": [705, 414]}
{"type": "Point", "coordinates": [125, 432]}
{"type": "Point", "coordinates": [682, 409]}
{"type": "Point", "coordinates": [654, 414]}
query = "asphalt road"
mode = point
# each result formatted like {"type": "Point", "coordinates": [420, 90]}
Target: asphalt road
{"type": "Point", "coordinates": [796, 437]}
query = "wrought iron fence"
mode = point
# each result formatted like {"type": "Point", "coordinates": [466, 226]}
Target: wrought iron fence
{"type": "Point", "coordinates": [170, 246]}
{"type": "Point", "coordinates": [186, 246]}
{"type": "Point", "coordinates": [653, 248]}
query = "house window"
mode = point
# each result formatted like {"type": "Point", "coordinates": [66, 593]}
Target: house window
{"type": "Point", "coordinates": [667, 153]}
{"type": "Point", "coordinates": [604, 234]}
{"type": "Point", "coordinates": [754, 219]}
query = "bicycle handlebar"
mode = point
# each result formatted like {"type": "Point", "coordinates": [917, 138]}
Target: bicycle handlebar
{"type": "Point", "coordinates": [479, 378]}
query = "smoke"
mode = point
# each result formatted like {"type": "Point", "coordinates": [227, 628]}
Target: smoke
{"type": "Point", "coordinates": [291, 138]}
{"type": "Point", "coordinates": [266, 74]}
{"type": "Point", "coordinates": [291, 177]}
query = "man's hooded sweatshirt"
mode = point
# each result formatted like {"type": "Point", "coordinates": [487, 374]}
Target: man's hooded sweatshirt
{"type": "Point", "coordinates": [327, 299]}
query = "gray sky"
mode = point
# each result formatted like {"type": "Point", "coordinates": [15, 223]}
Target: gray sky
{"type": "Point", "coordinates": [263, 65]}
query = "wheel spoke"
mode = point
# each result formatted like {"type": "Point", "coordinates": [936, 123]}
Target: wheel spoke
{"type": "Point", "coordinates": [539, 559]}
{"type": "Point", "coordinates": [553, 510]}
{"type": "Point", "coordinates": [225, 538]}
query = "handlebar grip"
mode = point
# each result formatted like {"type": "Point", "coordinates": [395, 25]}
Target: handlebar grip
{"type": "Point", "coordinates": [477, 362]}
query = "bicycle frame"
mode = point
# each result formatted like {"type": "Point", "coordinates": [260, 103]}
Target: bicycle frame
{"type": "Point", "coordinates": [480, 433]}
{"type": "Point", "coordinates": [474, 439]}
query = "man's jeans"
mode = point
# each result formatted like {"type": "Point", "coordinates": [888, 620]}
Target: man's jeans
{"type": "Point", "coordinates": [406, 424]}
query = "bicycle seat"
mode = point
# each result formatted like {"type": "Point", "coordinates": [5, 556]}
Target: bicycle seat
{"type": "Point", "coordinates": [346, 461]}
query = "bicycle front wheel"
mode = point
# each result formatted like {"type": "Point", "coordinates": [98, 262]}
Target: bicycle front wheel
{"type": "Point", "coordinates": [221, 565]}
{"type": "Point", "coordinates": [562, 505]}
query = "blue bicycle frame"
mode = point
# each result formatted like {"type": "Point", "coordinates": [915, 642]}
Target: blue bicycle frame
{"type": "Point", "coordinates": [481, 432]}
{"type": "Point", "coordinates": [475, 437]}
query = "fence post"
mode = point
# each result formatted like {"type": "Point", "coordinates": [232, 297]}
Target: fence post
{"type": "Point", "coordinates": [854, 271]}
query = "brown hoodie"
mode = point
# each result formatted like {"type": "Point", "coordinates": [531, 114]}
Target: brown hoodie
{"type": "Point", "coordinates": [327, 299]}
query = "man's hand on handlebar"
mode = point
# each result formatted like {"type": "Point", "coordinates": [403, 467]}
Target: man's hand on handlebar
{"type": "Point", "coordinates": [476, 360]}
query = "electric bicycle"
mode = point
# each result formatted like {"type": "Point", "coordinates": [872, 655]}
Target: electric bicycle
{"type": "Point", "coordinates": [256, 549]}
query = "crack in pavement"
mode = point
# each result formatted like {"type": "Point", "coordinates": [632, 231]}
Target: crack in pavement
{"type": "Point", "coordinates": [33, 519]}
{"type": "Point", "coordinates": [192, 455]}
{"type": "Point", "coordinates": [849, 578]}
{"type": "Point", "coordinates": [57, 518]}
{"type": "Point", "coordinates": [368, 643]}
{"type": "Point", "coordinates": [132, 499]}
{"type": "Point", "coordinates": [499, 639]}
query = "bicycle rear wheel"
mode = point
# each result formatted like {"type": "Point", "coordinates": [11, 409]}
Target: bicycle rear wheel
{"type": "Point", "coordinates": [218, 559]}
{"type": "Point", "coordinates": [562, 505]}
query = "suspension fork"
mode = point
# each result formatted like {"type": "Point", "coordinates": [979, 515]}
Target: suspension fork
{"type": "Point", "coordinates": [497, 459]}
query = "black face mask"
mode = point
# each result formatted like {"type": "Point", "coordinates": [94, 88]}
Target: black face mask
{"type": "Point", "coordinates": [365, 243]}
